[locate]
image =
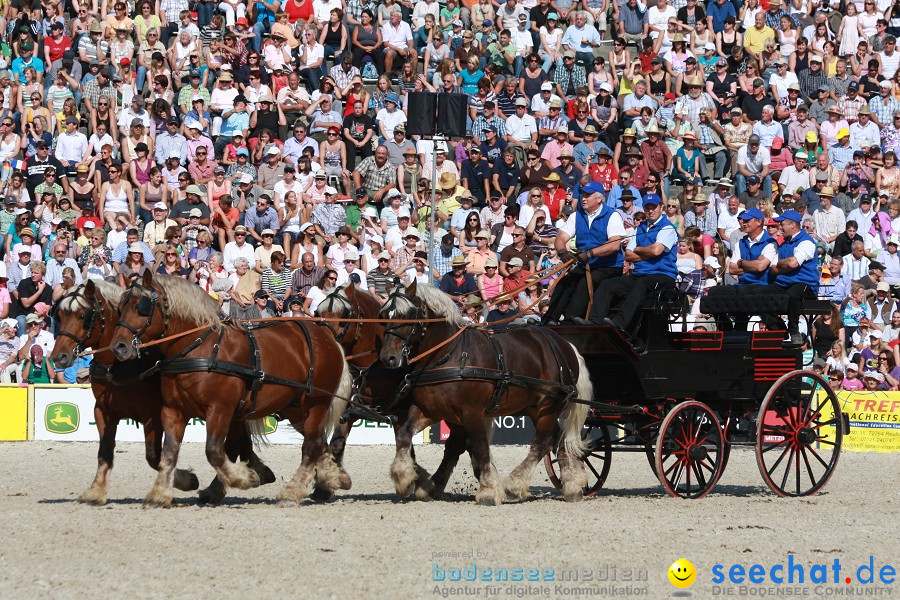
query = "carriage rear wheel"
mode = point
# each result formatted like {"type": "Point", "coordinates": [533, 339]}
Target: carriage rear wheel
{"type": "Point", "coordinates": [799, 434]}
{"type": "Point", "coordinates": [690, 450]}
{"type": "Point", "coordinates": [596, 461]}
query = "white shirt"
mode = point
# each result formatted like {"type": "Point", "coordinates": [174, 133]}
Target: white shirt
{"type": "Point", "coordinates": [755, 163]}
{"type": "Point", "coordinates": [343, 277]}
{"type": "Point", "coordinates": [44, 339]}
{"type": "Point", "coordinates": [863, 220]}
{"type": "Point", "coordinates": [391, 119]}
{"type": "Point", "coordinates": [660, 18]}
{"type": "Point", "coordinates": [615, 225]}
{"type": "Point", "coordinates": [126, 116]}
{"type": "Point", "coordinates": [857, 269]}
{"type": "Point", "coordinates": [322, 10]}
{"type": "Point", "coordinates": [233, 252]}
{"type": "Point", "coordinates": [769, 252]}
{"type": "Point", "coordinates": [223, 99]}
{"type": "Point", "coordinates": [728, 222]}
{"type": "Point", "coordinates": [399, 36]}
{"type": "Point", "coordinates": [538, 104]}
{"type": "Point", "coordinates": [781, 83]}
{"type": "Point", "coordinates": [858, 132]}
{"type": "Point", "coordinates": [313, 53]}
{"type": "Point", "coordinates": [792, 179]}
{"type": "Point", "coordinates": [523, 41]}
{"type": "Point", "coordinates": [71, 147]}
{"type": "Point", "coordinates": [521, 129]}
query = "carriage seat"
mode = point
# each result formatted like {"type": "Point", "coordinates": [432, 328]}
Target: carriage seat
{"type": "Point", "coordinates": [738, 304]}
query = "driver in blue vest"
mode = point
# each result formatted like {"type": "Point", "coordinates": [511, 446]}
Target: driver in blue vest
{"type": "Point", "coordinates": [753, 255]}
{"type": "Point", "coordinates": [598, 231]}
{"type": "Point", "coordinates": [795, 273]}
{"type": "Point", "coordinates": [653, 251]}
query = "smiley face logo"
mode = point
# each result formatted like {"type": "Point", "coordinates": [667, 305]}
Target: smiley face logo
{"type": "Point", "coordinates": [682, 573]}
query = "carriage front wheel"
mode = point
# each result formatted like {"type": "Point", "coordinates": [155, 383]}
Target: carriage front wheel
{"type": "Point", "coordinates": [799, 434]}
{"type": "Point", "coordinates": [690, 450]}
{"type": "Point", "coordinates": [596, 461]}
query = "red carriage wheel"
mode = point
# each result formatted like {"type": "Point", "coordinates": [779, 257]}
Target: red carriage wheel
{"type": "Point", "coordinates": [689, 450]}
{"type": "Point", "coordinates": [596, 461]}
{"type": "Point", "coordinates": [799, 434]}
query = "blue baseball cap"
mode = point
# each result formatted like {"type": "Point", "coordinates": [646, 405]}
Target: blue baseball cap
{"type": "Point", "coordinates": [791, 215]}
{"type": "Point", "coordinates": [653, 199]}
{"type": "Point", "coordinates": [752, 213]}
{"type": "Point", "coordinates": [592, 187]}
{"type": "Point", "coordinates": [243, 152]}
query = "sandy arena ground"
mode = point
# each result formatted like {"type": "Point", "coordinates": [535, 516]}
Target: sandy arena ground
{"type": "Point", "coordinates": [367, 544]}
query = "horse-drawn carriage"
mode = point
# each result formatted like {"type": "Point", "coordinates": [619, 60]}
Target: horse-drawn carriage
{"type": "Point", "coordinates": [682, 397]}
{"type": "Point", "coordinates": [686, 397]}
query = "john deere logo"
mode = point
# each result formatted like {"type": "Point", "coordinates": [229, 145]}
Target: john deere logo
{"type": "Point", "coordinates": [270, 425]}
{"type": "Point", "coordinates": [61, 417]}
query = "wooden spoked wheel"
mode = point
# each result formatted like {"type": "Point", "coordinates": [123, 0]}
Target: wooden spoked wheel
{"type": "Point", "coordinates": [799, 434]}
{"type": "Point", "coordinates": [596, 461]}
{"type": "Point", "coordinates": [690, 450]}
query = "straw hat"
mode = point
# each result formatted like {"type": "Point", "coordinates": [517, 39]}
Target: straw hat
{"type": "Point", "coordinates": [447, 181]}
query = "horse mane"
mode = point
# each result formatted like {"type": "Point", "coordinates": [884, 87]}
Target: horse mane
{"type": "Point", "coordinates": [110, 292]}
{"type": "Point", "coordinates": [440, 303]}
{"type": "Point", "coordinates": [187, 301]}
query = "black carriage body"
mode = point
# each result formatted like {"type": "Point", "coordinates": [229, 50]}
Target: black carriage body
{"type": "Point", "coordinates": [711, 366]}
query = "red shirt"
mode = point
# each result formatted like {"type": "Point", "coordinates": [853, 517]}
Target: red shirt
{"type": "Point", "coordinates": [555, 204]}
{"type": "Point", "coordinates": [646, 59]}
{"type": "Point", "coordinates": [604, 175]}
{"type": "Point", "coordinates": [57, 47]}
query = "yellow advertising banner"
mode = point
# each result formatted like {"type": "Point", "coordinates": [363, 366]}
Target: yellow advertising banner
{"type": "Point", "coordinates": [13, 413]}
{"type": "Point", "coordinates": [874, 421]}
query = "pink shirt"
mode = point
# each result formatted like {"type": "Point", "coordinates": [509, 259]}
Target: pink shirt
{"type": "Point", "coordinates": [553, 150]}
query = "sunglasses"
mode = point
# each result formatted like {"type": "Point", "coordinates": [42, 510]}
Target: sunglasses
{"type": "Point", "coordinates": [331, 278]}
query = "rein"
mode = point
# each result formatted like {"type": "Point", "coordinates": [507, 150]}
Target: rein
{"type": "Point", "coordinates": [89, 319]}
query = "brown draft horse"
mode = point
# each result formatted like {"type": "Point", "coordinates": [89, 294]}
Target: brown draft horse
{"type": "Point", "coordinates": [86, 317]}
{"type": "Point", "coordinates": [225, 371]}
{"type": "Point", "coordinates": [374, 384]}
{"type": "Point", "coordinates": [477, 376]}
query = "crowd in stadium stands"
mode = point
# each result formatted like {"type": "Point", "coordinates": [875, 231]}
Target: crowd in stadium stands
{"type": "Point", "coordinates": [260, 150]}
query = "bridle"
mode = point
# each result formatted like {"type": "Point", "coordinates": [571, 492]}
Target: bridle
{"type": "Point", "coordinates": [416, 332]}
{"type": "Point", "coordinates": [146, 308]}
{"type": "Point", "coordinates": [348, 310]}
{"type": "Point", "coordinates": [89, 318]}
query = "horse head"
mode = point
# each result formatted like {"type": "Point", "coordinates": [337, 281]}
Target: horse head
{"type": "Point", "coordinates": [81, 315]}
{"type": "Point", "coordinates": [142, 315]}
{"type": "Point", "coordinates": [400, 339]}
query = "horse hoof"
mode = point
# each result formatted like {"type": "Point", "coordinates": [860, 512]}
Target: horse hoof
{"type": "Point", "coordinates": [185, 481]}
{"type": "Point", "coordinates": [158, 502]}
{"type": "Point", "coordinates": [576, 497]}
{"type": "Point", "coordinates": [345, 482]}
{"type": "Point", "coordinates": [488, 498]}
{"type": "Point", "coordinates": [287, 503]}
{"type": "Point", "coordinates": [516, 491]}
{"type": "Point", "coordinates": [93, 496]}
{"type": "Point", "coordinates": [321, 495]}
{"type": "Point", "coordinates": [211, 496]}
{"type": "Point", "coordinates": [265, 474]}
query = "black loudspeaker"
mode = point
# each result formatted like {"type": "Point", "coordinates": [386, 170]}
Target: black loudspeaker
{"type": "Point", "coordinates": [420, 114]}
{"type": "Point", "coordinates": [452, 112]}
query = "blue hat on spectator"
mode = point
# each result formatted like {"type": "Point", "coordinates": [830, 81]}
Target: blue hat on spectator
{"type": "Point", "coordinates": [791, 215]}
{"type": "Point", "coordinates": [854, 182]}
{"type": "Point", "coordinates": [361, 191]}
{"type": "Point", "coordinates": [653, 199]}
{"type": "Point", "coordinates": [753, 179]}
{"type": "Point", "coordinates": [487, 23]}
{"type": "Point", "coordinates": [243, 152]}
{"type": "Point", "coordinates": [592, 187]}
{"type": "Point", "coordinates": [392, 97]}
{"type": "Point", "coordinates": [752, 213]}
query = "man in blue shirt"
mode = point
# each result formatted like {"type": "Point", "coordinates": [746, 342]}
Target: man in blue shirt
{"type": "Point", "coordinates": [653, 252]}
{"type": "Point", "coordinates": [719, 10]}
{"type": "Point", "coordinates": [236, 121]}
{"type": "Point", "coordinates": [476, 174]}
{"type": "Point", "coordinates": [598, 230]}
{"type": "Point", "coordinates": [27, 59]}
{"type": "Point", "coordinates": [614, 199]}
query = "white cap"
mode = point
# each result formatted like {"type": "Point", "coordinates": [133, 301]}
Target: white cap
{"type": "Point", "coordinates": [709, 46]}
{"type": "Point", "coordinates": [329, 190]}
{"type": "Point", "coordinates": [9, 323]}
{"type": "Point", "coordinates": [351, 254]}
{"type": "Point", "coordinates": [21, 211]}
{"type": "Point", "coordinates": [712, 261]}
{"type": "Point", "coordinates": [403, 213]}
{"type": "Point", "coordinates": [875, 333]}
{"type": "Point", "coordinates": [305, 226]}
{"type": "Point", "coordinates": [245, 178]}
{"type": "Point", "coordinates": [393, 193]}
{"type": "Point", "coordinates": [546, 86]}
{"type": "Point", "coordinates": [160, 206]}
{"type": "Point", "coordinates": [377, 239]}
{"type": "Point", "coordinates": [273, 150]}
{"type": "Point", "coordinates": [89, 225]}
{"type": "Point", "coordinates": [175, 154]}
{"type": "Point", "coordinates": [412, 232]}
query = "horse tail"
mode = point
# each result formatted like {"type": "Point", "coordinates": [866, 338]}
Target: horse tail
{"type": "Point", "coordinates": [575, 413]}
{"type": "Point", "coordinates": [340, 401]}
{"type": "Point", "coordinates": [256, 429]}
